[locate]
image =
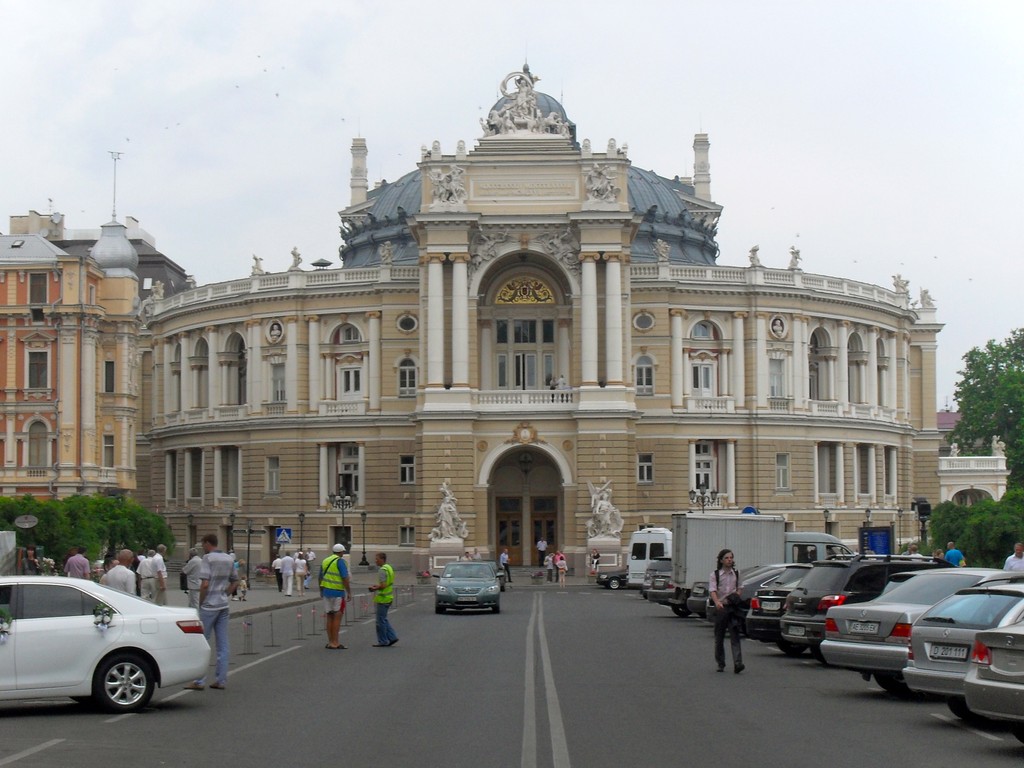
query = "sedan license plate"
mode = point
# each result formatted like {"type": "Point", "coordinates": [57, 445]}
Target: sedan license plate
{"type": "Point", "coordinates": [467, 599]}
{"type": "Point", "coordinates": [770, 605]}
{"type": "Point", "coordinates": [952, 652]}
{"type": "Point", "coordinates": [797, 631]}
{"type": "Point", "coordinates": [864, 627]}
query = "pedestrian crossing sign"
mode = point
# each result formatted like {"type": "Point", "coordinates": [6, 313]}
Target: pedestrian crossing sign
{"type": "Point", "coordinates": [283, 536]}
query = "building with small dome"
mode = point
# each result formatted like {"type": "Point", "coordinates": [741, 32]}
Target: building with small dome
{"type": "Point", "coordinates": [532, 338]}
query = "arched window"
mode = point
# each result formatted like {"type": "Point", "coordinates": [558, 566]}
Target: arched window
{"type": "Point", "coordinates": [38, 445]}
{"type": "Point", "coordinates": [200, 362]}
{"type": "Point", "coordinates": [817, 366]}
{"type": "Point", "coordinates": [236, 370]}
{"type": "Point", "coordinates": [879, 372]}
{"type": "Point", "coordinates": [856, 358]}
{"type": "Point", "coordinates": [347, 334]}
{"type": "Point", "coordinates": [407, 378]}
{"type": "Point", "coordinates": [644, 375]}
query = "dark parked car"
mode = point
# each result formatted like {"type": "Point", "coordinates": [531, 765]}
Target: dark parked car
{"type": "Point", "coordinates": [613, 579]}
{"type": "Point", "coordinates": [659, 568]}
{"type": "Point", "coordinates": [769, 603]}
{"type": "Point", "coordinates": [838, 582]}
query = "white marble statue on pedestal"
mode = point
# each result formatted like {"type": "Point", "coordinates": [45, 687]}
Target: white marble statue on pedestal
{"type": "Point", "coordinates": [998, 446]}
{"type": "Point", "coordinates": [450, 526]}
{"type": "Point", "coordinates": [605, 520]}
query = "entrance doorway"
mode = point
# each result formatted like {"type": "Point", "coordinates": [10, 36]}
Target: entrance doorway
{"type": "Point", "coordinates": [509, 525]}
{"type": "Point", "coordinates": [543, 523]}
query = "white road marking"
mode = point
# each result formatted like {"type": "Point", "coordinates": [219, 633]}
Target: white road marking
{"type": "Point", "coordinates": [559, 745]}
{"type": "Point", "coordinates": [529, 756]}
{"type": "Point", "coordinates": [960, 724]}
{"type": "Point", "coordinates": [30, 751]}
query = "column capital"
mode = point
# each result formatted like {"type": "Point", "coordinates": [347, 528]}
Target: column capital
{"type": "Point", "coordinates": [291, 319]}
{"type": "Point", "coordinates": [740, 315]}
{"type": "Point", "coordinates": [434, 257]}
{"type": "Point", "coordinates": [678, 313]}
{"type": "Point", "coordinates": [586, 256]}
{"type": "Point", "coordinates": [252, 323]}
{"type": "Point", "coordinates": [458, 257]}
{"type": "Point", "coordinates": [313, 318]}
{"type": "Point", "coordinates": [612, 256]}
{"type": "Point", "coordinates": [373, 315]}
{"type": "Point", "coordinates": [209, 328]}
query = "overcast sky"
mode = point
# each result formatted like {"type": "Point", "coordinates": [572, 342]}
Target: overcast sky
{"type": "Point", "coordinates": [877, 137]}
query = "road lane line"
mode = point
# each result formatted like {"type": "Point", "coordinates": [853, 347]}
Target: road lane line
{"type": "Point", "coordinates": [559, 746]}
{"type": "Point", "coordinates": [960, 724]}
{"type": "Point", "coordinates": [529, 756]}
{"type": "Point", "coordinates": [30, 751]}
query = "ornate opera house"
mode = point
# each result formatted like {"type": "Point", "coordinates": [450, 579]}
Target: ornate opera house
{"type": "Point", "coordinates": [528, 338]}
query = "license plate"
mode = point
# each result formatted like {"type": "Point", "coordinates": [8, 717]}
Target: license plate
{"type": "Point", "coordinates": [469, 599]}
{"type": "Point", "coordinates": [864, 627]}
{"type": "Point", "coordinates": [797, 631]}
{"type": "Point", "coordinates": [954, 652]}
{"type": "Point", "coordinates": [771, 605]}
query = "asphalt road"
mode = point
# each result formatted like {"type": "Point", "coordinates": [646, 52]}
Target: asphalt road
{"type": "Point", "coordinates": [580, 676]}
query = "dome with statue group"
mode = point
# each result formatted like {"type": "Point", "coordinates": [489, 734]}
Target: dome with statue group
{"type": "Point", "coordinates": [671, 227]}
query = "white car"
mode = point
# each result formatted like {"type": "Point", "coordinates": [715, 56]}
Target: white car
{"type": "Point", "coordinates": [71, 637]}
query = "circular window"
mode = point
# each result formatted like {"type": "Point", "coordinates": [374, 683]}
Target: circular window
{"type": "Point", "coordinates": [407, 323]}
{"type": "Point", "coordinates": [643, 321]}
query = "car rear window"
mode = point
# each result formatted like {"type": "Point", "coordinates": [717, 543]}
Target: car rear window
{"type": "Point", "coordinates": [870, 579]}
{"type": "Point", "coordinates": [661, 566]}
{"type": "Point", "coordinates": [825, 577]}
{"type": "Point", "coordinates": [788, 578]}
{"type": "Point", "coordinates": [923, 589]}
{"type": "Point", "coordinates": [974, 610]}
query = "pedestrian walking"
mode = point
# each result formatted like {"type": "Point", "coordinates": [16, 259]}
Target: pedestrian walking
{"type": "Point", "coordinates": [954, 556]}
{"type": "Point", "coordinates": [147, 576]}
{"type": "Point", "coordinates": [192, 581]}
{"type": "Point", "coordinates": [288, 574]}
{"type": "Point", "coordinates": [301, 572]}
{"type": "Point", "coordinates": [503, 560]}
{"type": "Point", "coordinates": [120, 577]}
{"type": "Point", "coordinates": [1015, 562]}
{"type": "Point", "coordinates": [562, 566]}
{"type": "Point", "coordinates": [217, 583]}
{"type": "Point", "coordinates": [159, 566]}
{"type": "Point", "coordinates": [595, 561]}
{"type": "Point", "coordinates": [542, 548]}
{"type": "Point", "coordinates": [724, 585]}
{"type": "Point", "coordinates": [276, 565]}
{"type": "Point", "coordinates": [334, 586]}
{"type": "Point", "coordinates": [77, 564]}
{"type": "Point", "coordinates": [383, 596]}
{"type": "Point", "coordinates": [549, 566]}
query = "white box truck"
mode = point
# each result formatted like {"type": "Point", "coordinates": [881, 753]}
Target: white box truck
{"type": "Point", "coordinates": [754, 539]}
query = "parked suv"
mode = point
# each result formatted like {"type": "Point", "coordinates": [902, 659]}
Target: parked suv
{"type": "Point", "coordinates": [660, 567]}
{"type": "Point", "coordinates": [838, 582]}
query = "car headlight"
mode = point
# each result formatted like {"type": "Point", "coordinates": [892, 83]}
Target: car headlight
{"type": "Point", "coordinates": [493, 589]}
{"type": "Point", "coordinates": [442, 590]}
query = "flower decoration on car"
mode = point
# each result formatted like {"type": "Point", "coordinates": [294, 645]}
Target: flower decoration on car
{"type": "Point", "coordinates": [102, 615]}
{"type": "Point", "coordinates": [5, 625]}
{"type": "Point", "coordinates": [47, 566]}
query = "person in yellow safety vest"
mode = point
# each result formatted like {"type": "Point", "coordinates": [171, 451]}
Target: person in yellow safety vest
{"type": "Point", "coordinates": [334, 587]}
{"type": "Point", "coordinates": [383, 597]}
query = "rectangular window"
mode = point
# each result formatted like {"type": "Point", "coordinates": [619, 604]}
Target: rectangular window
{"type": "Point", "coordinates": [229, 463]}
{"type": "Point", "coordinates": [645, 468]}
{"type": "Point", "coordinates": [351, 381]}
{"type": "Point", "coordinates": [548, 331]}
{"type": "Point", "coordinates": [502, 372]}
{"type": "Point", "coordinates": [863, 469]}
{"type": "Point", "coordinates": [776, 378]}
{"type": "Point", "coordinates": [782, 471]}
{"type": "Point", "coordinates": [407, 380]}
{"type": "Point", "coordinates": [705, 466]}
{"type": "Point", "coordinates": [37, 288]}
{"type": "Point", "coordinates": [273, 474]}
{"type": "Point", "coordinates": [407, 535]}
{"type": "Point", "coordinates": [38, 370]}
{"type": "Point", "coordinates": [277, 379]}
{"type": "Point", "coordinates": [525, 331]}
{"type": "Point", "coordinates": [703, 380]}
{"type": "Point", "coordinates": [348, 471]}
{"type": "Point", "coordinates": [407, 470]}
{"type": "Point", "coordinates": [644, 380]}
{"type": "Point", "coordinates": [501, 331]}
{"type": "Point", "coordinates": [108, 450]}
{"type": "Point", "coordinates": [108, 376]}
{"type": "Point", "coordinates": [171, 471]}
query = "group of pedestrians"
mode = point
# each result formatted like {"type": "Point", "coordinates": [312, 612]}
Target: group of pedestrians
{"type": "Point", "coordinates": [293, 571]}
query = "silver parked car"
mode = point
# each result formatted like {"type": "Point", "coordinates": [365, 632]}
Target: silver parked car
{"type": "Point", "coordinates": [994, 685]}
{"type": "Point", "coordinates": [872, 637]}
{"type": "Point", "coordinates": [942, 638]}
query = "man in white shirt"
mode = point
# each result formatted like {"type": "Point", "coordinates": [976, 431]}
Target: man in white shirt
{"type": "Point", "coordinates": [121, 577]}
{"type": "Point", "coordinates": [276, 565]}
{"type": "Point", "coordinates": [160, 574]}
{"type": "Point", "coordinates": [1015, 562]}
{"type": "Point", "coordinates": [147, 576]}
{"type": "Point", "coordinates": [192, 580]}
{"type": "Point", "coordinates": [288, 574]}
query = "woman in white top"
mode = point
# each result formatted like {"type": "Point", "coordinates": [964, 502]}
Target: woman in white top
{"type": "Point", "coordinates": [301, 571]}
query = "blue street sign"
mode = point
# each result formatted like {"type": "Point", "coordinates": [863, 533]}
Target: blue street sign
{"type": "Point", "coordinates": [283, 535]}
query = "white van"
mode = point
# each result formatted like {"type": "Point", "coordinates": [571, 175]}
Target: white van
{"type": "Point", "coordinates": [646, 545]}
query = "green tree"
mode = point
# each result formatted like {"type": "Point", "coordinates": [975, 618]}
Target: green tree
{"type": "Point", "coordinates": [990, 398]}
{"type": "Point", "coordinates": [985, 532]}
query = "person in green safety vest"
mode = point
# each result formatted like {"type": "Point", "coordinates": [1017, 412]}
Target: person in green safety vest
{"type": "Point", "coordinates": [384, 595]}
{"type": "Point", "coordinates": [334, 587]}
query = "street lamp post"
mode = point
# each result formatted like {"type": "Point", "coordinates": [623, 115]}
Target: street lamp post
{"type": "Point", "coordinates": [701, 495]}
{"type": "Point", "coordinates": [191, 541]}
{"type": "Point", "coordinates": [342, 503]}
{"type": "Point", "coordinates": [362, 516]}
{"type": "Point", "coordinates": [899, 529]}
{"type": "Point", "coordinates": [231, 532]}
{"type": "Point", "coordinates": [867, 517]}
{"type": "Point", "coordinates": [825, 513]}
{"type": "Point", "coordinates": [302, 528]}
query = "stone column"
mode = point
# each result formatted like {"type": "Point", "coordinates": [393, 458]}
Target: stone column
{"type": "Point", "coordinates": [323, 475]}
{"type": "Point", "coordinates": [872, 372]}
{"type": "Point", "coordinates": [588, 325]}
{"type": "Point", "coordinates": [872, 476]}
{"type": "Point", "coordinates": [724, 381]}
{"type": "Point", "coordinates": [676, 355]}
{"type": "Point", "coordinates": [691, 479]}
{"type": "Point", "coordinates": [739, 372]}
{"type": "Point", "coordinates": [841, 475]}
{"type": "Point", "coordinates": [613, 319]}
{"type": "Point", "coordinates": [761, 361]}
{"type": "Point", "coordinates": [435, 320]}
{"type": "Point", "coordinates": [486, 331]}
{"type": "Point", "coordinates": [890, 373]}
{"type": "Point", "coordinates": [730, 471]}
{"type": "Point", "coordinates": [373, 321]}
{"type": "Point", "coordinates": [315, 364]}
{"type": "Point", "coordinates": [816, 469]}
{"type": "Point", "coordinates": [218, 485]}
{"type": "Point", "coordinates": [687, 374]}
{"type": "Point", "coordinates": [801, 372]}
{"type": "Point", "coordinates": [460, 320]}
{"type": "Point", "coordinates": [842, 350]}
{"type": "Point", "coordinates": [564, 362]}
{"type": "Point", "coordinates": [89, 393]}
{"type": "Point", "coordinates": [291, 363]}
{"type": "Point", "coordinates": [330, 373]}
{"type": "Point", "coordinates": [254, 374]}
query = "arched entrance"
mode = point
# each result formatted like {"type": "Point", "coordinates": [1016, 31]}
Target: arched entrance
{"type": "Point", "coordinates": [970, 496]}
{"type": "Point", "coordinates": [526, 499]}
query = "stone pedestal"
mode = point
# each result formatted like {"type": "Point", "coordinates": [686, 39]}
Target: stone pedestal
{"type": "Point", "coordinates": [443, 552]}
{"type": "Point", "coordinates": [610, 548]}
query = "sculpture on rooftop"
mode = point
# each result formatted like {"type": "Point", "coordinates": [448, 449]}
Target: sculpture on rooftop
{"type": "Point", "coordinates": [519, 113]}
{"type": "Point", "coordinates": [257, 265]}
{"type": "Point", "coordinates": [296, 260]}
{"type": "Point", "coordinates": [794, 258]}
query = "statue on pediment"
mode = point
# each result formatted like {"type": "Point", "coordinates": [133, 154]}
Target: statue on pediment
{"type": "Point", "coordinates": [449, 525]}
{"type": "Point", "coordinates": [448, 188]}
{"type": "Point", "coordinates": [927, 302]}
{"type": "Point", "coordinates": [899, 285]}
{"type": "Point", "coordinates": [600, 184]}
{"type": "Point", "coordinates": [662, 250]}
{"type": "Point", "coordinates": [605, 520]}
